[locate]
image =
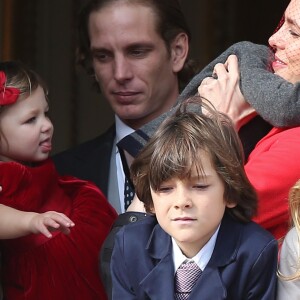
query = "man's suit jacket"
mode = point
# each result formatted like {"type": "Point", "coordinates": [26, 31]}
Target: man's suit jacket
{"type": "Point", "coordinates": [89, 160]}
{"type": "Point", "coordinates": [243, 264]}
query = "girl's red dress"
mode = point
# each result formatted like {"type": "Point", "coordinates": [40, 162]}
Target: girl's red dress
{"type": "Point", "coordinates": [65, 266]}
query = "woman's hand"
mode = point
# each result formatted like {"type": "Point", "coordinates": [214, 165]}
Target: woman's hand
{"type": "Point", "coordinates": [49, 221]}
{"type": "Point", "coordinates": [223, 91]}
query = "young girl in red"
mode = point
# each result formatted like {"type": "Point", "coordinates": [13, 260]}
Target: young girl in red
{"type": "Point", "coordinates": [36, 266]}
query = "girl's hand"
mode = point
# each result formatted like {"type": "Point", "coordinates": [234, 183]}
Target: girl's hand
{"type": "Point", "coordinates": [223, 91]}
{"type": "Point", "coordinates": [49, 221]}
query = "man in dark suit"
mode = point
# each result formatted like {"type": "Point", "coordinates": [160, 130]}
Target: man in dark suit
{"type": "Point", "coordinates": [137, 53]}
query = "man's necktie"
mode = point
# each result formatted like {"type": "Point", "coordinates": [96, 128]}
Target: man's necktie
{"type": "Point", "coordinates": [185, 279]}
{"type": "Point", "coordinates": [128, 193]}
{"type": "Point", "coordinates": [131, 145]}
{"type": "Point", "coordinates": [128, 186]}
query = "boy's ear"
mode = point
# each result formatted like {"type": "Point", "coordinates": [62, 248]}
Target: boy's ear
{"type": "Point", "coordinates": [179, 51]}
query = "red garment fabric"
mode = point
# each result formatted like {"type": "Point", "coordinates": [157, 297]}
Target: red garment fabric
{"type": "Point", "coordinates": [65, 266]}
{"type": "Point", "coordinates": [273, 168]}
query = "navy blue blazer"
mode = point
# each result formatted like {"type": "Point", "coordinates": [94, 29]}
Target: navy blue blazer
{"type": "Point", "coordinates": [89, 160]}
{"type": "Point", "coordinates": [243, 264]}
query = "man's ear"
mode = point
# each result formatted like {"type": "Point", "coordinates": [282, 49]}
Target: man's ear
{"type": "Point", "coordinates": [179, 51]}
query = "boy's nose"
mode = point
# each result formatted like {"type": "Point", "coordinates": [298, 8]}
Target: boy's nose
{"type": "Point", "coordinates": [183, 199]}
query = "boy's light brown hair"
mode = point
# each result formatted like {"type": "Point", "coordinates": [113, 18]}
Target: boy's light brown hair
{"type": "Point", "coordinates": [176, 147]}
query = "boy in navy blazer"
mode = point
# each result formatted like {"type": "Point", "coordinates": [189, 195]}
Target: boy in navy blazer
{"type": "Point", "coordinates": [191, 180]}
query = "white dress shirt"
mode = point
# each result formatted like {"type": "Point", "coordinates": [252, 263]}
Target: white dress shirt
{"type": "Point", "coordinates": [201, 258]}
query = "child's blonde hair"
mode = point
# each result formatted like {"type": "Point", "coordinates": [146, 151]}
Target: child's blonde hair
{"type": "Point", "coordinates": [294, 203]}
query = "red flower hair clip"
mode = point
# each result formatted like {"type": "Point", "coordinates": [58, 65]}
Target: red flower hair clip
{"type": "Point", "coordinates": [8, 95]}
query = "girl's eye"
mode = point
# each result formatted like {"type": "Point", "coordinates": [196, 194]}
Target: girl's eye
{"type": "Point", "coordinates": [31, 120]}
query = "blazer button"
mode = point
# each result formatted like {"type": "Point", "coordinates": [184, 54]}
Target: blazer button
{"type": "Point", "coordinates": [132, 219]}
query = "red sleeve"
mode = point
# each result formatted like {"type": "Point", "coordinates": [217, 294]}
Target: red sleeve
{"type": "Point", "coordinates": [273, 168]}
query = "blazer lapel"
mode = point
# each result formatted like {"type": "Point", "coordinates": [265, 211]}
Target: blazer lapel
{"type": "Point", "coordinates": [159, 283]}
{"type": "Point", "coordinates": [227, 243]}
{"type": "Point", "coordinates": [100, 156]}
{"type": "Point", "coordinates": [210, 285]}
